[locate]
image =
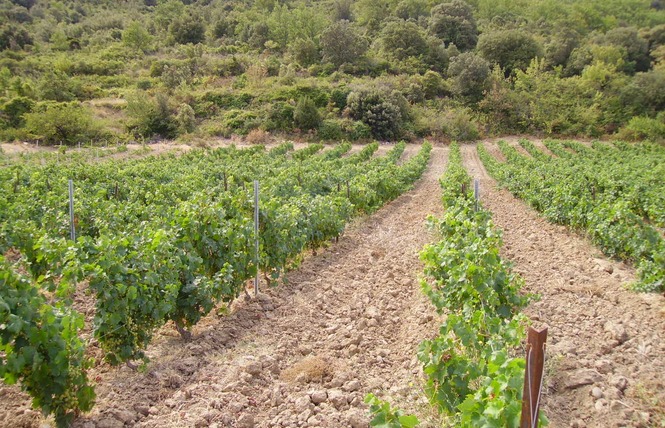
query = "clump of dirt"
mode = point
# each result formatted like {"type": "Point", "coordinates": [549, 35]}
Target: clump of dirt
{"type": "Point", "coordinates": [309, 369]}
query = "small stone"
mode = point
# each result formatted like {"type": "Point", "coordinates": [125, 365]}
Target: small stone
{"type": "Point", "coordinates": [302, 403]}
{"type": "Point", "coordinates": [357, 420]}
{"type": "Point", "coordinates": [125, 416]}
{"type": "Point", "coordinates": [253, 368]}
{"type": "Point", "coordinates": [619, 382]}
{"type": "Point", "coordinates": [578, 423]}
{"type": "Point", "coordinates": [617, 331]}
{"type": "Point", "coordinates": [596, 392]}
{"type": "Point", "coordinates": [110, 423]}
{"type": "Point", "coordinates": [601, 404]}
{"type": "Point", "coordinates": [337, 398]}
{"type": "Point", "coordinates": [616, 406]}
{"type": "Point", "coordinates": [351, 386]}
{"type": "Point", "coordinates": [170, 403]}
{"type": "Point", "coordinates": [143, 410]}
{"type": "Point", "coordinates": [582, 377]}
{"type": "Point", "coordinates": [153, 410]}
{"type": "Point", "coordinates": [245, 421]}
{"type": "Point", "coordinates": [603, 366]}
{"type": "Point", "coordinates": [318, 397]}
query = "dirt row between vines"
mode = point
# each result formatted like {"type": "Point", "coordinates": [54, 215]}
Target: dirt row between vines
{"type": "Point", "coordinates": [302, 354]}
{"type": "Point", "coordinates": [606, 355]}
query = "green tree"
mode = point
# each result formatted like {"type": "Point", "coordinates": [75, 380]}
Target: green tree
{"type": "Point", "coordinates": [137, 37]}
{"type": "Point", "coordinates": [305, 52]}
{"type": "Point", "coordinates": [636, 47]}
{"type": "Point", "coordinates": [382, 110]}
{"type": "Point", "coordinates": [306, 116]}
{"type": "Point", "coordinates": [510, 49]}
{"type": "Point", "coordinates": [14, 37]}
{"type": "Point", "coordinates": [403, 39]}
{"type": "Point", "coordinates": [66, 123]}
{"type": "Point", "coordinates": [341, 43]}
{"type": "Point", "coordinates": [454, 24]}
{"type": "Point", "coordinates": [469, 73]}
{"type": "Point", "coordinates": [187, 29]}
{"type": "Point", "coordinates": [15, 109]}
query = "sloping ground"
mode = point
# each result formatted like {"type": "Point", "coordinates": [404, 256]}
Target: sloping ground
{"type": "Point", "coordinates": [606, 357]}
{"type": "Point", "coordinates": [303, 354]}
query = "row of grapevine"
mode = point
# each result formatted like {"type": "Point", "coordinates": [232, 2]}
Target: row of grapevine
{"type": "Point", "coordinates": [589, 190]}
{"type": "Point", "coordinates": [174, 260]}
{"type": "Point", "coordinates": [471, 375]}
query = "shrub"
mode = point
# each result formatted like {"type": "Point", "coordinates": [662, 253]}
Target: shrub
{"type": "Point", "coordinates": [280, 116]}
{"type": "Point", "coordinates": [305, 52]}
{"type": "Point", "coordinates": [151, 116]}
{"type": "Point", "coordinates": [331, 130]}
{"type": "Point", "coordinates": [66, 123]}
{"type": "Point", "coordinates": [383, 111]}
{"type": "Point", "coordinates": [460, 126]}
{"type": "Point", "coordinates": [137, 37]}
{"type": "Point", "coordinates": [15, 109]}
{"type": "Point", "coordinates": [187, 29]}
{"type": "Point", "coordinates": [643, 128]}
{"type": "Point", "coordinates": [306, 115]}
{"type": "Point", "coordinates": [239, 122]}
{"type": "Point", "coordinates": [258, 136]}
{"type": "Point", "coordinates": [185, 119]}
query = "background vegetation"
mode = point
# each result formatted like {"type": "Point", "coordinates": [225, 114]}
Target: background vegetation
{"type": "Point", "coordinates": [78, 71]}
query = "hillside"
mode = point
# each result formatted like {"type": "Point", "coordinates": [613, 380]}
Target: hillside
{"type": "Point", "coordinates": [101, 70]}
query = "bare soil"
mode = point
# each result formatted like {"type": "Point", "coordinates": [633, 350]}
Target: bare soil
{"type": "Point", "coordinates": [606, 356]}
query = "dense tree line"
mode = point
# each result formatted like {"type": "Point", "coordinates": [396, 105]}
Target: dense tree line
{"type": "Point", "coordinates": [332, 68]}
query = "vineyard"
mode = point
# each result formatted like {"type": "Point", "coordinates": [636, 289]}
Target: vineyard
{"type": "Point", "coordinates": [613, 193]}
{"type": "Point", "coordinates": [163, 239]}
{"type": "Point", "coordinates": [422, 301]}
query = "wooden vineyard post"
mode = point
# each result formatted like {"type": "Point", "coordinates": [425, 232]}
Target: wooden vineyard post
{"type": "Point", "coordinates": [72, 226]}
{"type": "Point", "coordinates": [476, 191]}
{"type": "Point", "coordinates": [256, 236]}
{"type": "Point", "coordinates": [533, 376]}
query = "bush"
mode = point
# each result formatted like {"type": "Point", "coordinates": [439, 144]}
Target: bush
{"type": "Point", "coordinates": [460, 126]}
{"type": "Point", "coordinates": [280, 116]}
{"type": "Point", "coordinates": [383, 111]}
{"type": "Point", "coordinates": [14, 110]}
{"type": "Point", "coordinates": [331, 130]}
{"type": "Point", "coordinates": [66, 123]}
{"type": "Point", "coordinates": [151, 116]}
{"type": "Point", "coordinates": [185, 119]}
{"type": "Point", "coordinates": [306, 116]}
{"type": "Point", "coordinates": [187, 29]}
{"type": "Point", "coordinates": [643, 128]}
{"type": "Point", "coordinates": [305, 52]}
{"type": "Point", "coordinates": [239, 122]}
{"type": "Point", "coordinates": [258, 136]}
